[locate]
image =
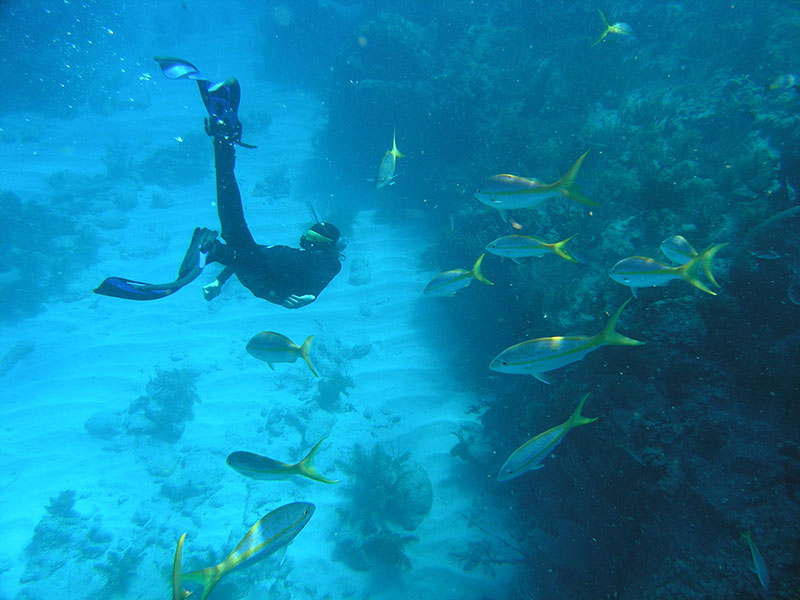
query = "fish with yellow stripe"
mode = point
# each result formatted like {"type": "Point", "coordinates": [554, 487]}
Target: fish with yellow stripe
{"type": "Point", "coordinates": [272, 347]}
{"type": "Point", "coordinates": [678, 250]}
{"type": "Point", "coordinates": [386, 169]}
{"type": "Point", "coordinates": [260, 467]}
{"type": "Point", "coordinates": [524, 246]}
{"type": "Point", "coordinates": [534, 357]}
{"type": "Point", "coordinates": [509, 192]}
{"type": "Point", "coordinates": [759, 566]}
{"type": "Point", "coordinates": [621, 29]}
{"type": "Point", "coordinates": [447, 283]}
{"type": "Point", "coordinates": [272, 533]}
{"type": "Point", "coordinates": [639, 271]}
{"type": "Point", "coordinates": [530, 455]}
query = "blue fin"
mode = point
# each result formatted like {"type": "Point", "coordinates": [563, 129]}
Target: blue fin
{"type": "Point", "coordinates": [177, 68]}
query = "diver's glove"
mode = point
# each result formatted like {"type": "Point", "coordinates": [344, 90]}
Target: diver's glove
{"type": "Point", "coordinates": [294, 301]}
{"type": "Point", "coordinates": [211, 290]}
{"type": "Point", "coordinates": [221, 130]}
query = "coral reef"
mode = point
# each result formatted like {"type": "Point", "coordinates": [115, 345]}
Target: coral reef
{"type": "Point", "coordinates": [43, 249]}
{"type": "Point", "coordinates": [69, 548]}
{"type": "Point", "coordinates": [166, 406]}
{"type": "Point", "coordinates": [386, 492]}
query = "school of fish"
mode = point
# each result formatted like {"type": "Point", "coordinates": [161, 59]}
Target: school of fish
{"type": "Point", "coordinates": [534, 357]}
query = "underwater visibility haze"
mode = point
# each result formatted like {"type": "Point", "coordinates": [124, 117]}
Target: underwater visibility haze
{"type": "Point", "coordinates": [466, 219]}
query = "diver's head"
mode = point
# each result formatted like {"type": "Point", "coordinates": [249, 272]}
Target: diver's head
{"type": "Point", "coordinates": [322, 235]}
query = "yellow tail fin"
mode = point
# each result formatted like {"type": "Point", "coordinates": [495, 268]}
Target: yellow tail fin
{"type": "Point", "coordinates": [707, 262]}
{"type": "Point", "coordinates": [558, 248]}
{"type": "Point", "coordinates": [609, 335]}
{"type": "Point", "coordinates": [304, 354]}
{"type": "Point", "coordinates": [576, 418]}
{"type": "Point", "coordinates": [395, 152]}
{"type": "Point", "coordinates": [569, 187]}
{"type": "Point", "coordinates": [208, 578]}
{"type": "Point", "coordinates": [306, 466]}
{"type": "Point", "coordinates": [606, 25]}
{"type": "Point", "coordinates": [178, 593]}
{"type": "Point", "coordinates": [476, 271]}
{"type": "Point", "coordinates": [689, 270]}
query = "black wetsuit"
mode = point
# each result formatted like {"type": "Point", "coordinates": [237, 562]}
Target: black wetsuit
{"type": "Point", "coordinates": [269, 272]}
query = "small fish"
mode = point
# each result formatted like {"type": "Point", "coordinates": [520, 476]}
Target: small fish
{"type": "Point", "coordinates": [507, 192]}
{"type": "Point", "coordinates": [538, 356]}
{"type": "Point", "coordinates": [678, 249]}
{"type": "Point", "coordinates": [386, 168]}
{"type": "Point", "coordinates": [178, 593]}
{"type": "Point", "coordinates": [272, 533]}
{"type": "Point", "coordinates": [759, 566]}
{"type": "Point", "coordinates": [621, 29]}
{"type": "Point", "coordinates": [530, 455]}
{"type": "Point", "coordinates": [448, 283]}
{"type": "Point", "coordinates": [273, 347]}
{"type": "Point", "coordinates": [260, 467]}
{"type": "Point", "coordinates": [523, 246]}
{"type": "Point", "coordinates": [765, 255]}
{"type": "Point", "coordinates": [786, 81]}
{"type": "Point", "coordinates": [640, 272]}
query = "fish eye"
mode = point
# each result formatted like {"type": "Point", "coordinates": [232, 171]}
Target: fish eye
{"type": "Point", "coordinates": [505, 363]}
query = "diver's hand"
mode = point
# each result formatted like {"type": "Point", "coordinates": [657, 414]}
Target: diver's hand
{"type": "Point", "coordinates": [298, 301]}
{"type": "Point", "coordinates": [211, 290]}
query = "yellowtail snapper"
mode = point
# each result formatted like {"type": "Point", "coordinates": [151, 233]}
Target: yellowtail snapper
{"type": "Point", "coordinates": [272, 347]}
{"type": "Point", "coordinates": [256, 466]}
{"type": "Point", "coordinates": [448, 283]}
{"type": "Point", "coordinates": [508, 192]}
{"type": "Point", "coordinates": [620, 29]}
{"type": "Point", "coordinates": [678, 249]}
{"type": "Point", "coordinates": [538, 356]}
{"type": "Point", "coordinates": [786, 81]}
{"type": "Point", "coordinates": [530, 455]}
{"type": "Point", "coordinates": [524, 246]}
{"type": "Point", "coordinates": [387, 165]}
{"type": "Point", "coordinates": [759, 566]}
{"type": "Point", "coordinates": [640, 271]}
{"type": "Point", "coordinates": [272, 533]}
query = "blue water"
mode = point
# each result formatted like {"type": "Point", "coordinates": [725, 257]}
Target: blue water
{"type": "Point", "coordinates": [117, 417]}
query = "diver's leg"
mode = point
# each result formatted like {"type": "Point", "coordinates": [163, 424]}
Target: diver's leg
{"type": "Point", "coordinates": [229, 201]}
{"type": "Point", "coordinates": [222, 102]}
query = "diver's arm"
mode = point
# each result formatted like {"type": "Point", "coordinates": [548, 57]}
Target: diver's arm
{"type": "Point", "coordinates": [213, 289]}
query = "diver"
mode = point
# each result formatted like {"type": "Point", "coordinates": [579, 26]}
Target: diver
{"type": "Point", "coordinates": [282, 275]}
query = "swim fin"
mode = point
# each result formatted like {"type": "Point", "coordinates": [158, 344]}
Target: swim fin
{"type": "Point", "coordinates": [177, 68]}
{"type": "Point", "coordinates": [221, 99]}
{"type": "Point", "coordinates": [222, 103]}
{"type": "Point", "coordinates": [191, 266]}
